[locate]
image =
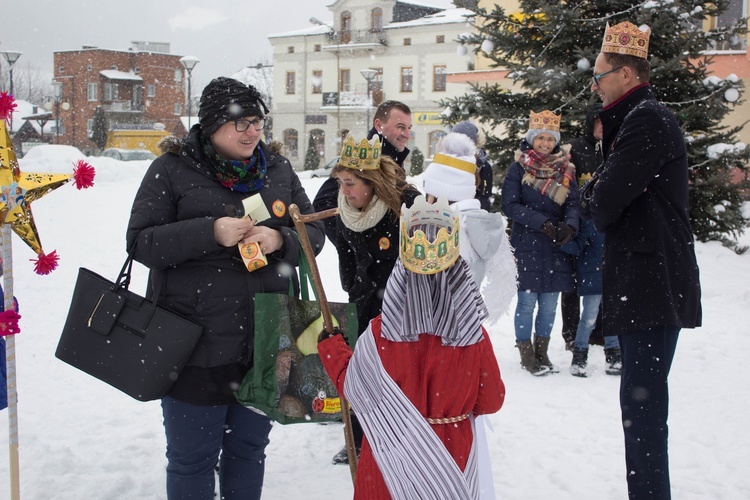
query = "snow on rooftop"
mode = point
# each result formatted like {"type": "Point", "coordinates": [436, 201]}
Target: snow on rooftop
{"type": "Point", "coordinates": [114, 74]}
{"type": "Point", "coordinates": [448, 16]}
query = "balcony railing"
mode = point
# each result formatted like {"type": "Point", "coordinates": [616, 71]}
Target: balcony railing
{"type": "Point", "coordinates": [122, 106]}
{"type": "Point", "coordinates": [356, 36]}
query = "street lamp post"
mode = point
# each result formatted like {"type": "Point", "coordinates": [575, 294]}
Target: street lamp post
{"type": "Point", "coordinates": [369, 75]}
{"type": "Point", "coordinates": [11, 56]}
{"type": "Point", "coordinates": [57, 100]}
{"type": "Point", "coordinates": [189, 62]}
{"type": "Point", "coordinates": [337, 38]}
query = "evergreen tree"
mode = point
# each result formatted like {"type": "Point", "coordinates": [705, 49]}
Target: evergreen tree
{"type": "Point", "coordinates": [312, 159]}
{"type": "Point", "coordinates": [100, 128]}
{"type": "Point", "coordinates": [549, 50]}
{"type": "Point", "coordinates": [417, 162]}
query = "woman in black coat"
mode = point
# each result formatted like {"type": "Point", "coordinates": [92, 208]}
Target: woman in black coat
{"type": "Point", "coordinates": [185, 225]}
{"type": "Point", "coordinates": [539, 194]}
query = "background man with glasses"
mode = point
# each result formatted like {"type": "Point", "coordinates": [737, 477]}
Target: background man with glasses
{"type": "Point", "coordinates": [651, 287]}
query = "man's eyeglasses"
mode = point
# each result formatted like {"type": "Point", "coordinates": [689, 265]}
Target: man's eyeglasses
{"type": "Point", "coordinates": [243, 125]}
{"type": "Point", "coordinates": [596, 78]}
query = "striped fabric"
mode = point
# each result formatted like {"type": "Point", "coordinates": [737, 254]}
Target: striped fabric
{"type": "Point", "coordinates": [447, 304]}
{"type": "Point", "coordinates": [413, 460]}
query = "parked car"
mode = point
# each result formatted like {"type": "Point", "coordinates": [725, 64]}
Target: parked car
{"type": "Point", "coordinates": [128, 154]}
{"type": "Point", "coordinates": [325, 170]}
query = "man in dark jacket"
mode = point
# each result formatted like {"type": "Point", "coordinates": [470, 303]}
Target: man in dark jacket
{"type": "Point", "coordinates": [392, 123]}
{"type": "Point", "coordinates": [650, 275]}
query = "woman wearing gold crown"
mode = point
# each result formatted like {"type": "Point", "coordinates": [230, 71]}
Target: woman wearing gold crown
{"type": "Point", "coordinates": [422, 370]}
{"type": "Point", "coordinates": [539, 194]}
{"type": "Point", "coordinates": [372, 188]}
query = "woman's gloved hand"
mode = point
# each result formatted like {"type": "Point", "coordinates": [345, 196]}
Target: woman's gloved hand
{"type": "Point", "coordinates": [564, 233]}
{"type": "Point", "coordinates": [549, 230]}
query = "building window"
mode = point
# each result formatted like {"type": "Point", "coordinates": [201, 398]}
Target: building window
{"type": "Point", "coordinates": [407, 41]}
{"type": "Point", "coordinates": [111, 92]}
{"type": "Point", "coordinates": [434, 138]}
{"type": "Point", "coordinates": [317, 47]}
{"type": "Point", "coordinates": [376, 20]}
{"type": "Point", "coordinates": [90, 127]}
{"type": "Point", "coordinates": [89, 68]}
{"type": "Point", "coordinates": [291, 145]}
{"type": "Point", "coordinates": [407, 85]}
{"type": "Point", "coordinates": [346, 27]}
{"type": "Point", "coordinates": [151, 90]}
{"type": "Point", "coordinates": [438, 78]}
{"type": "Point", "coordinates": [178, 108]}
{"type": "Point", "coordinates": [345, 80]}
{"type": "Point", "coordinates": [178, 75]}
{"type": "Point", "coordinates": [319, 140]}
{"type": "Point", "coordinates": [291, 82]}
{"type": "Point", "coordinates": [317, 82]}
{"type": "Point", "coordinates": [290, 50]}
{"type": "Point", "coordinates": [137, 70]}
{"type": "Point", "coordinates": [440, 39]}
{"type": "Point", "coordinates": [92, 92]}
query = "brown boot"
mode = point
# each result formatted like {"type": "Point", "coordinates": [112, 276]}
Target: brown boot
{"type": "Point", "coordinates": [528, 361]}
{"type": "Point", "coordinates": [541, 344]}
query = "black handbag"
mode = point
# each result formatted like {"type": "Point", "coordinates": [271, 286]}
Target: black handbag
{"type": "Point", "coordinates": [123, 339]}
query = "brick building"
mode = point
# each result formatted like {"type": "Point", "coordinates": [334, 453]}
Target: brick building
{"type": "Point", "coordinates": [136, 88]}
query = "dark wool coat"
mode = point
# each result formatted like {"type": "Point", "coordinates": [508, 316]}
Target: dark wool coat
{"type": "Point", "coordinates": [328, 194]}
{"type": "Point", "coordinates": [542, 265]}
{"type": "Point", "coordinates": [366, 261]}
{"type": "Point", "coordinates": [172, 228]}
{"type": "Point", "coordinates": [641, 203]}
{"type": "Point", "coordinates": [585, 152]}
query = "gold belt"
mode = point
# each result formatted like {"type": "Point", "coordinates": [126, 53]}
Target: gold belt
{"type": "Point", "coordinates": [447, 420]}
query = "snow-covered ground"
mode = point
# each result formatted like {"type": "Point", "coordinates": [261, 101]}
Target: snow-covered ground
{"type": "Point", "coordinates": [556, 437]}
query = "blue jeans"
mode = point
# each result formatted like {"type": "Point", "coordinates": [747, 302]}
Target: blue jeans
{"type": "Point", "coordinates": [545, 317]}
{"type": "Point", "coordinates": [588, 321]}
{"type": "Point", "coordinates": [195, 437]}
{"type": "Point", "coordinates": [644, 402]}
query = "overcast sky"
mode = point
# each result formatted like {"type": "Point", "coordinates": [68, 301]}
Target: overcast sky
{"type": "Point", "coordinates": [225, 35]}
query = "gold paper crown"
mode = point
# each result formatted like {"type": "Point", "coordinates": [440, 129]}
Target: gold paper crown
{"type": "Point", "coordinates": [546, 120]}
{"type": "Point", "coordinates": [419, 254]}
{"type": "Point", "coordinates": [364, 156]}
{"type": "Point", "coordinates": [626, 38]}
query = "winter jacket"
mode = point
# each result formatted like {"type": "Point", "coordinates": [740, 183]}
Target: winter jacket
{"type": "Point", "coordinates": [328, 194]}
{"type": "Point", "coordinates": [542, 265]}
{"type": "Point", "coordinates": [172, 229]}
{"type": "Point", "coordinates": [588, 247]}
{"type": "Point", "coordinates": [366, 260]}
{"type": "Point", "coordinates": [640, 201]}
{"type": "Point", "coordinates": [484, 169]}
{"type": "Point", "coordinates": [586, 152]}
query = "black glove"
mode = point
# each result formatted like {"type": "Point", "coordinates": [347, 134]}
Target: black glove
{"type": "Point", "coordinates": [327, 335]}
{"type": "Point", "coordinates": [549, 230]}
{"type": "Point", "coordinates": [564, 233]}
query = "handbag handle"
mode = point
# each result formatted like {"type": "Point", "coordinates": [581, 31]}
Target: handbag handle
{"type": "Point", "coordinates": [123, 282]}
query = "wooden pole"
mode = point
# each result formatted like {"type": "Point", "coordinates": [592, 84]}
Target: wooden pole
{"type": "Point", "coordinates": [299, 222]}
{"type": "Point", "coordinates": [10, 364]}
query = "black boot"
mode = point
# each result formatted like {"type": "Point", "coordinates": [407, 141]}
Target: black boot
{"type": "Point", "coordinates": [579, 365]}
{"type": "Point", "coordinates": [541, 344]}
{"type": "Point", "coordinates": [613, 360]}
{"type": "Point", "coordinates": [528, 361]}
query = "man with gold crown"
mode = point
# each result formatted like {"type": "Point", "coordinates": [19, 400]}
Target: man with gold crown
{"type": "Point", "coordinates": [422, 370]}
{"type": "Point", "coordinates": [651, 287]}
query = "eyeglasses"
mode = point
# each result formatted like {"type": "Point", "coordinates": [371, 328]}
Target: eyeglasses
{"type": "Point", "coordinates": [243, 125]}
{"type": "Point", "coordinates": [596, 78]}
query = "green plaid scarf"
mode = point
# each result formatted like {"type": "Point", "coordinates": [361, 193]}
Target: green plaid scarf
{"type": "Point", "coordinates": [245, 176]}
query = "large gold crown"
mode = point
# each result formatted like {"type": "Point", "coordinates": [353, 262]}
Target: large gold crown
{"type": "Point", "coordinates": [626, 38]}
{"type": "Point", "coordinates": [364, 156]}
{"type": "Point", "coordinates": [546, 120]}
{"type": "Point", "coordinates": [419, 254]}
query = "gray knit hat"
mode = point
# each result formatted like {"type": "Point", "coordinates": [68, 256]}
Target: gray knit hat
{"type": "Point", "coordinates": [468, 129]}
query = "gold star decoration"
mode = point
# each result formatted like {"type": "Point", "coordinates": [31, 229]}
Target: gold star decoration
{"type": "Point", "coordinates": [18, 190]}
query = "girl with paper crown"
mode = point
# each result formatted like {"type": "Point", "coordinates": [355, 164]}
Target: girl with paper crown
{"type": "Point", "coordinates": [418, 415]}
{"type": "Point", "coordinates": [484, 243]}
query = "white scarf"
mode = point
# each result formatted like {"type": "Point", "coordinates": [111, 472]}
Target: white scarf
{"type": "Point", "coordinates": [361, 220]}
{"type": "Point", "coordinates": [413, 460]}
